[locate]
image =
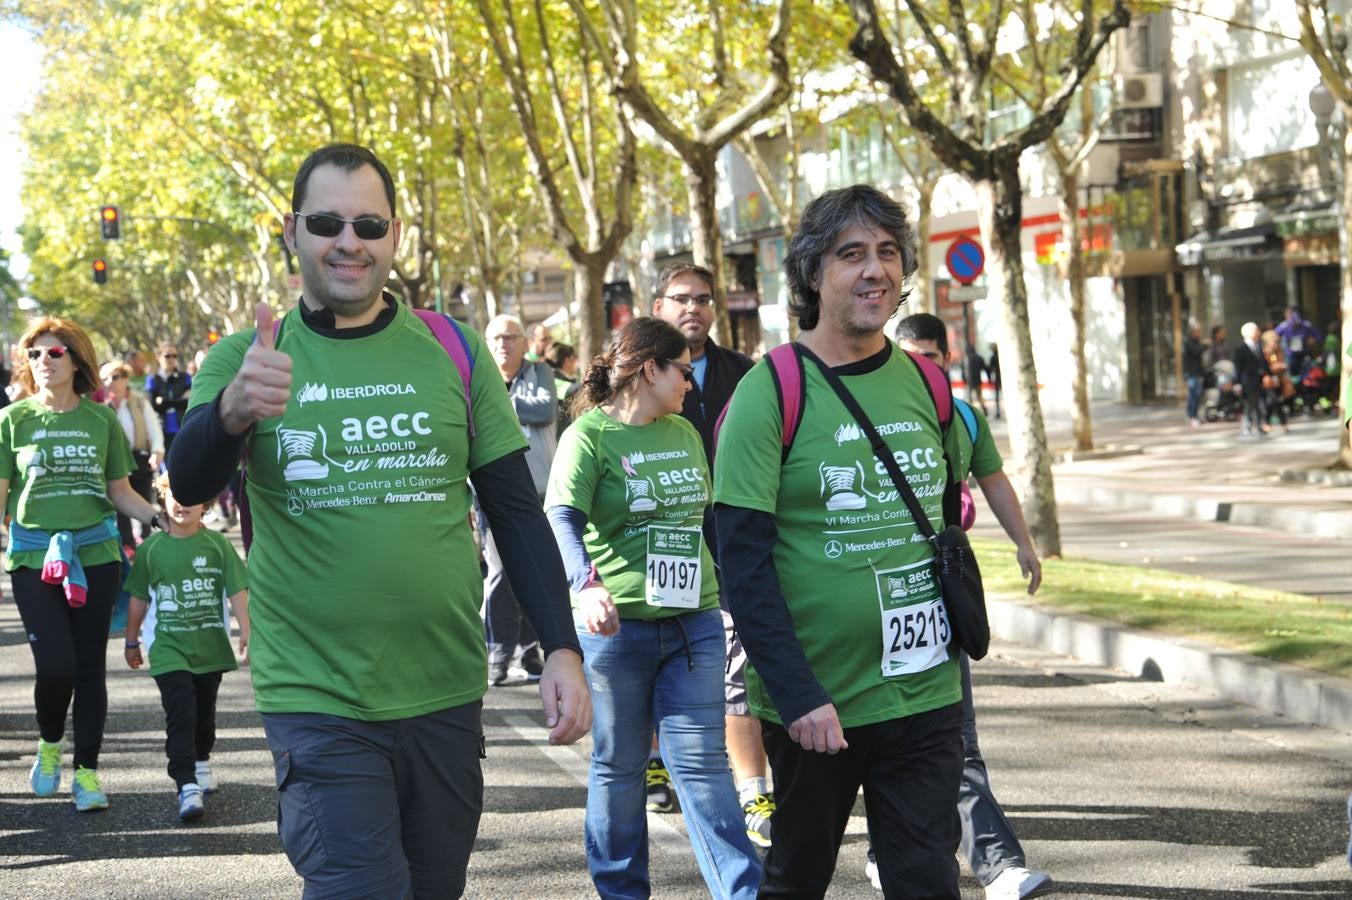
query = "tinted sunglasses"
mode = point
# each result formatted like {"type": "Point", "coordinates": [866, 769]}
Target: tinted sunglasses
{"type": "Point", "coordinates": [35, 353]}
{"type": "Point", "coordinates": [368, 228]}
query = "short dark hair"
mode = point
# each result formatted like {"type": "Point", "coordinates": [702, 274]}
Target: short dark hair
{"type": "Point", "coordinates": [559, 353]}
{"type": "Point", "coordinates": [349, 157]}
{"type": "Point", "coordinates": [924, 327]}
{"type": "Point", "coordinates": [822, 222]}
{"type": "Point", "coordinates": [672, 272]}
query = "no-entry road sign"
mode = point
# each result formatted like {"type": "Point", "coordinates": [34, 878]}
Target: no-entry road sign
{"type": "Point", "coordinates": [966, 260]}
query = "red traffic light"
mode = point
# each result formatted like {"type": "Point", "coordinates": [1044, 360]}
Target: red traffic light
{"type": "Point", "coordinates": [100, 272]}
{"type": "Point", "coordinates": [110, 222]}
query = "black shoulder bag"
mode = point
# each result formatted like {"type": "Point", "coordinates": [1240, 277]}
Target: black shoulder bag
{"type": "Point", "coordinates": [954, 563]}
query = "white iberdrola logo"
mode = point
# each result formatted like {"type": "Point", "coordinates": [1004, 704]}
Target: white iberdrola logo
{"type": "Point", "coordinates": [312, 393]}
{"type": "Point", "coordinates": [199, 562]}
{"type": "Point", "coordinates": [848, 432]}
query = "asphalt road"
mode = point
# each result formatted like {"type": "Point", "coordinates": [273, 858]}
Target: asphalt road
{"type": "Point", "coordinates": [1120, 788]}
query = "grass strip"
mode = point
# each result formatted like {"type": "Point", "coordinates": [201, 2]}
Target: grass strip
{"type": "Point", "coordinates": [1291, 628]}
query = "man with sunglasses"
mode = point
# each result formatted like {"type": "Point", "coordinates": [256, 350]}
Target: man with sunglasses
{"type": "Point", "coordinates": [367, 649]}
{"type": "Point", "coordinates": [169, 390]}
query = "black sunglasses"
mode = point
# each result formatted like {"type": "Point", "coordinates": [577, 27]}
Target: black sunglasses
{"type": "Point", "coordinates": [368, 228]}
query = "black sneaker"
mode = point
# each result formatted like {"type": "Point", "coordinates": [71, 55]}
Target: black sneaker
{"type": "Point", "coordinates": [532, 664]}
{"type": "Point", "coordinates": [497, 673]}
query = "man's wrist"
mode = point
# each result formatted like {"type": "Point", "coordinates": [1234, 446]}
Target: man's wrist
{"type": "Point", "coordinates": [133, 645]}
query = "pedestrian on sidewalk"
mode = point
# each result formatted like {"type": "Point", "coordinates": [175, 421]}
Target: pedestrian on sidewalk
{"type": "Point", "coordinates": [1193, 371]}
{"type": "Point", "coordinates": [180, 585]}
{"type": "Point", "coordinates": [511, 641]}
{"type": "Point", "coordinates": [1250, 369]}
{"type": "Point", "coordinates": [64, 463]}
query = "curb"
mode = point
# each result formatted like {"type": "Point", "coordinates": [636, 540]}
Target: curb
{"type": "Point", "coordinates": [1299, 694]}
{"type": "Point", "coordinates": [1295, 520]}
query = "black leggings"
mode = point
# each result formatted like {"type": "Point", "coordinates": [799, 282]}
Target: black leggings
{"type": "Point", "coordinates": [70, 646]}
{"type": "Point", "coordinates": [189, 703]}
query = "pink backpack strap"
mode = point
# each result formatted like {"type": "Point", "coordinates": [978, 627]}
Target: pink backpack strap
{"type": "Point", "coordinates": [939, 390]}
{"type": "Point", "coordinates": [787, 367]}
{"type": "Point", "coordinates": [453, 341]}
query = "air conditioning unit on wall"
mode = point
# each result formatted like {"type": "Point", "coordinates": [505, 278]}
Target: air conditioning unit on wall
{"type": "Point", "coordinates": [1142, 90]}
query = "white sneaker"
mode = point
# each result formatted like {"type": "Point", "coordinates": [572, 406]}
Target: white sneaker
{"type": "Point", "coordinates": [205, 779]}
{"type": "Point", "coordinates": [871, 870]}
{"type": "Point", "coordinates": [190, 802]}
{"type": "Point", "coordinates": [1016, 883]}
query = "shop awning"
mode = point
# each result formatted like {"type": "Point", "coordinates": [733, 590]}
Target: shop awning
{"type": "Point", "coordinates": [1227, 244]}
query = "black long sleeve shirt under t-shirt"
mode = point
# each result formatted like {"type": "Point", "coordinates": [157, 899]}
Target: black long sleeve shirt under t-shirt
{"type": "Point", "coordinates": [204, 457]}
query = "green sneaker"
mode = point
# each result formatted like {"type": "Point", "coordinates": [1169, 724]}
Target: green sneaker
{"type": "Point", "coordinates": [87, 791]}
{"type": "Point", "coordinates": [45, 776]}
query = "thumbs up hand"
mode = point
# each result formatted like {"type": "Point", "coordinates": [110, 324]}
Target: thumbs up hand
{"type": "Point", "coordinates": [261, 387]}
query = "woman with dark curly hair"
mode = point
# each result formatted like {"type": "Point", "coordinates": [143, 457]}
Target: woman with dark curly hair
{"type": "Point", "coordinates": [64, 462]}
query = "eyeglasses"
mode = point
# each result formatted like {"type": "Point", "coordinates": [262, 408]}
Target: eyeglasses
{"type": "Point", "coordinates": [168, 356]}
{"type": "Point", "coordinates": [691, 299]}
{"type": "Point", "coordinates": [35, 353]}
{"type": "Point", "coordinates": [368, 228]}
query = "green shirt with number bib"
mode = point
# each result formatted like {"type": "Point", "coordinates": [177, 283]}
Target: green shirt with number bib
{"type": "Point", "coordinates": [855, 571]}
{"type": "Point", "coordinates": [58, 465]}
{"type": "Point", "coordinates": [366, 586]}
{"type": "Point", "coordinates": [643, 489]}
{"type": "Point", "coordinates": [187, 582]}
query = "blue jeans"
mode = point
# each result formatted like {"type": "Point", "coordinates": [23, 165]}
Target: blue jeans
{"type": "Point", "coordinates": [667, 672]}
{"type": "Point", "coordinates": [1194, 383]}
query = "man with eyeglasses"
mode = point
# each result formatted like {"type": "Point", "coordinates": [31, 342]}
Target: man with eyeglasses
{"type": "Point", "coordinates": [531, 387]}
{"type": "Point", "coordinates": [685, 298]}
{"type": "Point", "coordinates": [367, 649]}
{"type": "Point", "coordinates": [169, 391]}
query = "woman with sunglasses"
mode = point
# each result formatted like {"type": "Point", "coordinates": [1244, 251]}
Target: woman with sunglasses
{"type": "Point", "coordinates": [626, 500]}
{"type": "Point", "coordinates": [64, 462]}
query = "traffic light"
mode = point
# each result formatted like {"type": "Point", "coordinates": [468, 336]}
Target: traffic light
{"type": "Point", "coordinates": [110, 220]}
{"type": "Point", "coordinates": [100, 272]}
{"type": "Point", "coordinates": [212, 337]}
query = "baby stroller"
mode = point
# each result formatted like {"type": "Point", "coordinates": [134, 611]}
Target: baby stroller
{"type": "Point", "coordinates": [1317, 391]}
{"type": "Point", "coordinates": [1221, 401]}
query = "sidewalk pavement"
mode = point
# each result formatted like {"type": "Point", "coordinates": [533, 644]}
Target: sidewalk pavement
{"type": "Point", "coordinates": [1148, 458]}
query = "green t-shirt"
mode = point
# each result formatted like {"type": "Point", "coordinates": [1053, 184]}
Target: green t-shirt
{"type": "Point", "coordinates": [366, 586]}
{"type": "Point", "coordinates": [187, 582]}
{"type": "Point", "coordinates": [58, 465]}
{"type": "Point", "coordinates": [644, 490]}
{"type": "Point", "coordinates": [980, 459]}
{"type": "Point", "coordinates": [849, 556]}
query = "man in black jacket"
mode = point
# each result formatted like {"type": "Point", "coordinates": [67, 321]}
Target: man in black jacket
{"type": "Point", "coordinates": [1250, 368]}
{"type": "Point", "coordinates": [685, 298]}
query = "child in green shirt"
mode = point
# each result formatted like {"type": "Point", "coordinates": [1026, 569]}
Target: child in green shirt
{"type": "Point", "coordinates": [178, 586]}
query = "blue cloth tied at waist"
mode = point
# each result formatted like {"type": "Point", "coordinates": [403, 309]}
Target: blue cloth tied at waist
{"type": "Point", "coordinates": [62, 563]}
